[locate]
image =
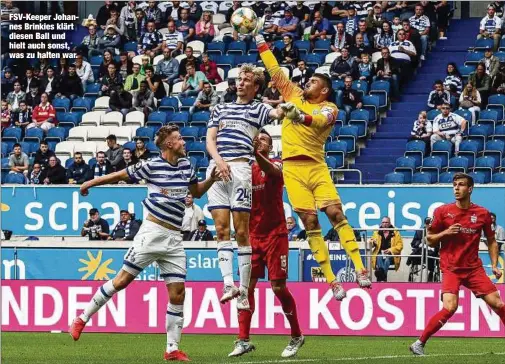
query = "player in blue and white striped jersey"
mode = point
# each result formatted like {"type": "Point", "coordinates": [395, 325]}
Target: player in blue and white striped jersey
{"type": "Point", "coordinates": [169, 178]}
{"type": "Point", "coordinates": [230, 134]}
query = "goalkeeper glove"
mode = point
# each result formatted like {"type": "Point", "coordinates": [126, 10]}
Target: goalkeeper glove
{"type": "Point", "coordinates": [291, 112]}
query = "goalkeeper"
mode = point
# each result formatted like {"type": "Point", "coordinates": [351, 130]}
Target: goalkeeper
{"type": "Point", "coordinates": [308, 122]}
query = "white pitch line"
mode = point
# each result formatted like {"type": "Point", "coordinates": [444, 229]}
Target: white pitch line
{"type": "Point", "coordinates": [357, 358]}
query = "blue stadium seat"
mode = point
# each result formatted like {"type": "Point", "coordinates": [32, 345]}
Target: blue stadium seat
{"type": "Point", "coordinates": [416, 149]}
{"type": "Point", "coordinates": [92, 89]}
{"type": "Point", "coordinates": [322, 46]}
{"type": "Point", "coordinates": [495, 149]}
{"type": "Point", "coordinates": [341, 118]}
{"type": "Point", "coordinates": [489, 118]}
{"type": "Point", "coordinates": [96, 60]}
{"type": "Point", "coordinates": [52, 144]}
{"type": "Point", "coordinates": [169, 104]}
{"type": "Point", "coordinates": [502, 168]}
{"type": "Point", "coordinates": [57, 134]}
{"type": "Point", "coordinates": [360, 118]}
{"type": "Point", "coordinates": [187, 102]}
{"type": "Point", "coordinates": [443, 149]}
{"type": "Point", "coordinates": [196, 149]}
{"type": "Point", "coordinates": [5, 149]}
{"type": "Point", "coordinates": [464, 113]}
{"type": "Point", "coordinates": [422, 178]}
{"type": "Point", "coordinates": [190, 133]}
{"type": "Point", "coordinates": [501, 56]}
{"type": "Point", "coordinates": [337, 150]}
{"type": "Point", "coordinates": [73, 118]}
{"type": "Point", "coordinates": [498, 177]}
{"type": "Point", "coordinates": [153, 149]}
{"type": "Point", "coordinates": [35, 134]}
{"type": "Point", "coordinates": [145, 133]}
{"type": "Point", "coordinates": [202, 164]}
{"type": "Point", "coordinates": [446, 177]}
{"type": "Point", "coordinates": [466, 70]}
{"type": "Point", "coordinates": [27, 147]}
{"type": "Point", "coordinates": [478, 177]}
{"type": "Point", "coordinates": [483, 43]}
{"type": "Point", "coordinates": [303, 46]}
{"type": "Point", "coordinates": [226, 62]}
{"type": "Point", "coordinates": [406, 166]}
{"type": "Point", "coordinates": [15, 178]}
{"type": "Point", "coordinates": [337, 85]}
{"type": "Point", "coordinates": [433, 166]}
{"type": "Point", "coordinates": [131, 46]}
{"type": "Point", "coordinates": [486, 165]}
{"type": "Point", "coordinates": [180, 118]}
{"type": "Point", "coordinates": [159, 117]}
{"type": "Point", "coordinates": [12, 133]}
{"type": "Point", "coordinates": [68, 163]}
{"type": "Point", "coordinates": [61, 104]}
{"type": "Point", "coordinates": [381, 89]}
{"type": "Point", "coordinates": [432, 114]}
{"type": "Point", "coordinates": [242, 59]}
{"type": "Point", "coordinates": [349, 134]}
{"type": "Point", "coordinates": [480, 133]}
{"type": "Point", "coordinates": [129, 145]}
{"type": "Point", "coordinates": [394, 178]}
{"type": "Point", "coordinates": [216, 48]}
{"type": "Point", "coordinates": [469, 149]}
{"type": "Point", "coordinates": [81, 104]}
{"type": "Point", "coordinates": [473, 58]}
{"type": "Point", "coordinates": [371, 103]}
{"type": "Point", "coordinates": [5, 163]}
{"type": "Point", "coordinates": [201, 116]}
{"type": "Point", "coordinates": [499, 133]}
{"type": "Point", "coordinates": [237, 48]}
{"type": "Point", "coordinates": [458, 164]}
{"type": "Point", "coordinates": [313, 60]}
{"type": "Point", "coordinates": [497, 103]}
{"type": "Point", "coordinates": [361, 86]}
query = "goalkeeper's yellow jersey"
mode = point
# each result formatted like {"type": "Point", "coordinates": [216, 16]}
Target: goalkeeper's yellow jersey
{"type": "Point", "coordinates": [300, 139]}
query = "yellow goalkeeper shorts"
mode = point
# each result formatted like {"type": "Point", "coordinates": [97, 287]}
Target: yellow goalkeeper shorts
{"type": "Point", "coordinates": [309, 185]}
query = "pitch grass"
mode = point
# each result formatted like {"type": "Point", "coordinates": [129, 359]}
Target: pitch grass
{"type": "Point", "coordinates": [126, 349]}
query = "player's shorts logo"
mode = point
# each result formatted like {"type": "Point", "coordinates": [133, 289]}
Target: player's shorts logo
{"type": "Point", "coordinates": [284, 262]}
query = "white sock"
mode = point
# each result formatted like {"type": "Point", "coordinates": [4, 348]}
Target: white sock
{"type": "Point", "coordinates": [225, 255]}
{"type": "Point", "coordinates": [173, 324]}
{"type": "Point", "coordinates": [100, 298]}
{"type": "Point", "coordinates": [244, 266]}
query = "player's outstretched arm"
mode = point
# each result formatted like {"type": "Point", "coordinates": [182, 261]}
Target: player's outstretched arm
{"type": "Point", "coordinates": [271, 169]}
{"type": "Point", "coordinates": [198, 189]}
{"type": "Point", "coordinates": [104, 180]}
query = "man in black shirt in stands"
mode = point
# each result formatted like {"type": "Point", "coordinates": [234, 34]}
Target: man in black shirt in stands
{"type": "Point", "coordinates": [96, 228]}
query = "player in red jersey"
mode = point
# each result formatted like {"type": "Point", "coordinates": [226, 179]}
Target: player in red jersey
{"type": "Point", "coordinates": [269, 241]}
{"type": "Point", "coordinates": [457, 227]}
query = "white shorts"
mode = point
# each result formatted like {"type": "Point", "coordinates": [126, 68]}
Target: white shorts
{"type": "Point", "coordinates": [154, 243]}
{"type": "Point", "coordinates": [235, 195]}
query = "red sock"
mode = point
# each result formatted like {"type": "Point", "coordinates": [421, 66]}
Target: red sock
{"type": "Point", "coordinates": [244, 319]}
{"type": "Point", "coordinates": [435, 324]}
{"type": "Point", "coordinates": [289, 308]}
{"type": "Point", "coordinates": [501, 313]}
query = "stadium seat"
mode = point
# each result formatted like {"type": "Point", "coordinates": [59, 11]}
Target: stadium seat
{"type": "Point", "coordinates": [169, 104]}
{"type": "Point", "coordinates": [145, 133]}
{"type": "Point", "coordinates": [15, 178]}
{"type": "Point", "coordinates": [12, 133]}
{"type": "Point", "coordinates": [394, 178]}
{"type": "Point", "coordinates": [239, 60]}
{"type": "Point", "coordinates": [102, 103]}
{"type": "Point", "coordinates": [330, 57]}
{"type": "Point", "coordinates": [485, 165]}
{"type": "Point", "coordinates": [466, 70]}
{"type": "Point", "coordinates": [416, 149]}
{"type": "Point", "coordinates": [371, 104]}
{"type": "Point", "coordinates": [469, 149]}
{"type": "Point", "coordinates": [337, 150]}
{"type": "Point", "coordinates": [81, 104]}
{"type": "Point", "coordinates": [123, 134]}
{"type": "Point", "coordinates": [64, 149]}
{"type": "Point", "coordinates": [361, 86]}
{"type": "Point", "coordinates": [130, 145]}
{"type": "Point", "coordinates": [446, 177]}
{"type": "Point", "coordinates": [478, 177]}
{"type": "Point", "coordinates": [464, 113]}
{"type": "Point", "coordinates": [303, 46]}
{"type": "Point", "coordinates": [337, 85]}
{"type": "Point", "coordinates": [5, 150]}
{"type": "Point", "coordinates": [113, 118]}
{"type": "Point", "coordinates": [497, 103]}
{"type": "Point", "coordinates": [79, 133]}
{"type": "Point", "coordinates": [237, 48]}
{"type": "Point", "coordinates": [495, 149]}
{"type": "Point", "coordinates": [483, 43]}
{"type": "Point", "coordinates": [359, 118]}
{"type": "Point", "coordinates": [98, 134]}
{"type": "Point", "coordinates": [70, 119]}
{"type": "Point", "coordinates": [433, 166]}
{"type": "Point", "coordinates": [216, 48]}
{"type": "Point", "coordinates": [443, 150]}
{"type": "Point", "coordinates": [187, 102]}
{"type": "Point", "coordinates": [92, 89]}
{"type": "Point", "coordinates": [226, 62]}
{"type": "Point", "coordinates": [5, 164]}
{"type": "Point", "coordinates": [177, 88]}
{"type": "Point", "coordinates": [61, 104]}
{"type": "Point", "coordinates": [198, 47]}
{"type": "Point", "coordinates": [134, 118]}
{"type": "Point", "coordinates": [180, 118]}
{"type": "Point", "coordinates": [422, 178]}
{"type": "Point", "coordinates": [56, 134]}
{"type": "Point", "coordinates": [407, 167]}
{"type": "Point", "coordinates": [349, 134]}
{"type": "Point", "coordinates": [313, 60]}
{"type": "Point", "coordinates": [473, 58]}
{"type": "Point", "coordinates": [190, 133]}
{"type": "Point", "coordinates": [88, 150]}
{"type": "Point", "coordinates": [488, 118]}
{"type": "Point", "coordinates": [202, 164]}
{"type": "Point", "coordinates": [432, 114]}
{"type": "Point", "coordinates": [96, 60]}
{"type": "Point", "coordinates": [480, 133]}
{"type": "Point", "coordinates": [324, 69]}
{"type": "Point", "coordinates": [381, 89]}
{"type": "Point", "coordinates": [92, 118]}
{"type": "Point", "coordinates": [153, 149]}
{"type": "Point", "coordinates": [27, 147]}
{"type": "Point", "coordinates": [498, 177]}
{"type": "Point", "coordinates": [458, 164]}
{"type": "Point", "coordinates": [35, 134]}
{"type": "Point", "coordinates": [159, 117]}
{"type": "Point", "coordinates": [322, 46]}
{"type": "Point", "coordinates": [196, 149]}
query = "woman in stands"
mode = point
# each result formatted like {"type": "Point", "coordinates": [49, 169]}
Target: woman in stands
{"type": "Point", "coordinates": [62, 69]}
{"type": "Point", "coordinates": [385, 37]}
{"type": "Point", "coordinates": [289, 54]}
{"type": "Point", "coordinates": [125, 65]}
{"type": "Point", "coordinates": [204, 28]}
{"type": "Point", "coordinates": [453, 81]}
{"type": "Point", "coordinates": [470, 99]}
{"type": "Point", "coordinates": [108, 58]}
{"type": "Point", "coordinates": [141, 151]}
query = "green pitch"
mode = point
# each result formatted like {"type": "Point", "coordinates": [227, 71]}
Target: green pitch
{"type": "Point", "coordinates": [128, 349]}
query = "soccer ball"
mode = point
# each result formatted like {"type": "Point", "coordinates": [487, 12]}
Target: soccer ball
{"type": "Point", "coordinates": [244, 20]}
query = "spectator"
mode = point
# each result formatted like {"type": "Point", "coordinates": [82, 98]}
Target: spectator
{"type": "Point", "coordinates": [387, 69]}
{"type": "Point", "coordinates": [42, 67]}
{"type": "Point", "coordinates": [110, 40]}
{"type": "Point", "coordinates": [490, 27]}
{"type": "Point", "coordinates": [270, 24]}
{"type": "Point", "coordinates": [33, 98]}
{"type": "Point", "coordinates": [202, 233]}
{"type": "Point", "coordinates": [351, 22]}
{"type": "Point", "coordinates": [89, 44]}
{"type": "Point", "coordinates": [168, 68]}
{"type": "Point", "coordinates": [422, 130]}
{"type": "Point", "coordinates": [15, 97]}
{"type": "Point", "coordinates": [272, 95]}
{"type": "Point", "coordinates": [71, 85]}
{"type": "Point", "coordinates": [127, 227]}
{"type": "Point", "coordinates": [139, 26]}
{"type": "Point", "coordinates": [340, 39]}
{"type": "Point", "coordinates": [44, 115]}
{"type": "Point", "coordinates": [397, 24]}
{"type": "Point", "coordinates": [115, 152]}
{"type": "Point", "coordinates": [303, 76]}
{"type": "Point", "coordinates": [192, 215]}
{"type": "Point", "coordinates": [448, 126]}
{"type": "Point", "coordinates": [50, 84]}
{"type": "Point", "coordinates": [324, 8]}
{"type": "Point", "coordinates": [132, 82]}
{"type": "Point", "coordinates": [78, 172]}
{"type": "Point", "coordinates": [499, 81]}
{"type": "Point", "coordinates": [193, 81]}
{"type": "Point", "coordinates": [367, 35]}
{"type": "Point", "coordinates": [453, 81]}
{"type": "Point", "coordinates": [27, 81]}
{"type": "Point", "coordinates": [174, 12]}
{"type": "Point", "coordinates": [343, 66]}
{"type": "Point", "coordinates": [499, 231]}
{"type": "Point", "coordinates": [491, 62]}
{"type": "Point", "coordinates": [231, 92]}
{"type": "Point", "coordinates": [22, 117]}
{"type": "Point", "coordinates": [154, 83]}
{"type": "Point", "coordinates": [33, 176]}
{"type": "Point", "coordinates": [386, 244]}
{"type": "Point", "coordinates": [204, 28]}
{"type": "Point", "coordinates": [359, 47]}
{"type": "Point", "coordinates": [54, 173]}
{"type": "Point", "coordinates": [43, 154]}
{"type": "Point", "coordinates": [151, 41]}
{"type": "Point", "coordinates": [120, 100]}
{"type": "Point", "coordinates": [385, 37]}
{"type": "Point", "coordinates": [481, 81]}
{"type": "Point", "coordinates": [206, 100]}
{"type": "Point", "coordinates": [108, 58]}
{"type": "Point", "coordinates": [124, 66]}
{"type": "Point", "coordinates": [140, 151]}
{"type": "Point", "coordinates": [443, 11]}
{"type": "Point", "coordinates": [8, 80]}
{"type": "Point", "coordinates": [111, 81]}
{"type": "Point", "coordinates": [293, 229]}
{"type": "Point", "coordinates": [302, 12]}
{"type": "Point", "coordinates": [18, 160]}
{"type": "Point", "coordinates": [6, 115]}
{"type": "Point", "coordinates": [153, 14]}
{"type": "Point", "coordinates": [320, 28]}
{"type": "Point", "coordinates": [128, 17]}
{"type": "Point", "coordinates": [95, 228]}
{"type": "Point", "coordinates": [231, 10]}
{"type": "Point", "coordinates": [289, 54]}
{"type": "Point", "coordinates": [126, 160]}
{"type": "Point", "coordinates": [185, 26]}
{"type": "Point", "coordinates": [84, 71]}
{"type": "Point", "coordinates": [351, 99]}
{"type": "Point", "coordinates": [470, 99]}
{"type": "Point", "coordinates": [102, 166]}
{"type": "Point", "coordinates": [438, 97]}
{"type": "Point", "coordinates": [422, 24]}
{"type": "Point", "coordinates": [405, 52]}
{"type": "Point", "coordinates": [116, 22]}
{"type": "Point", "coordinates": [173, 40]}
{"type": "Point", "coordinates": [190, 58]}
{"type": "Point", "coordinates": [366, 69]}
{"type": "Point", "coordinates": [143, 99]}
{"type": "Point", "coordinates": [104, 14]}
{"type": "Point", "coordinates": [62, 69]}
{"type": "Point", "coordinates": [332, 235]}
{"type": "Point", "coordinates": [375, 20]}
{"type": "Point", "coordinates": [288, 24]}
{"type": "Point", "coordinates": [413, 35]}
{"type": "Point", "coordinates": [209, 68]}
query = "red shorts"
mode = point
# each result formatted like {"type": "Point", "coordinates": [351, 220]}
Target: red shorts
{"type": "Point", "coordinates": [476, 280]}
{"type": "Point", "coordinates": [270, 252]}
